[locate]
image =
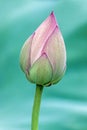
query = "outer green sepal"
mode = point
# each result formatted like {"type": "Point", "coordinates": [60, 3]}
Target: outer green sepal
{"type": "Point", "coordinates": [41, 71]}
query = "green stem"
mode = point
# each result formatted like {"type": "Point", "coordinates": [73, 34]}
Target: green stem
{"type": "Point", "coordinates": [36, 107]}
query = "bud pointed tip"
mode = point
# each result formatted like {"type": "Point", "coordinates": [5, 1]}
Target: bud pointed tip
{"type": "Point", "coordinates": [52, 13]}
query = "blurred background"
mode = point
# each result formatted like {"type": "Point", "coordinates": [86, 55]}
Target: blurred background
{"type": "Point", "coordinates": [64, 105]}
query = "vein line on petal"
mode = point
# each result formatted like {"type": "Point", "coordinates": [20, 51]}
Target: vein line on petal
{"type": "Point", "coordinates": [49, 37]}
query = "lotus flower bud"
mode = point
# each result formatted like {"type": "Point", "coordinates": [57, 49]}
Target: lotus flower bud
{"type": "Point", "coordinates": [43, 55]}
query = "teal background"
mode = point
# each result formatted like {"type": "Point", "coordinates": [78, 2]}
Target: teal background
{"type": "Point", "coordinates": [64, 105]}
